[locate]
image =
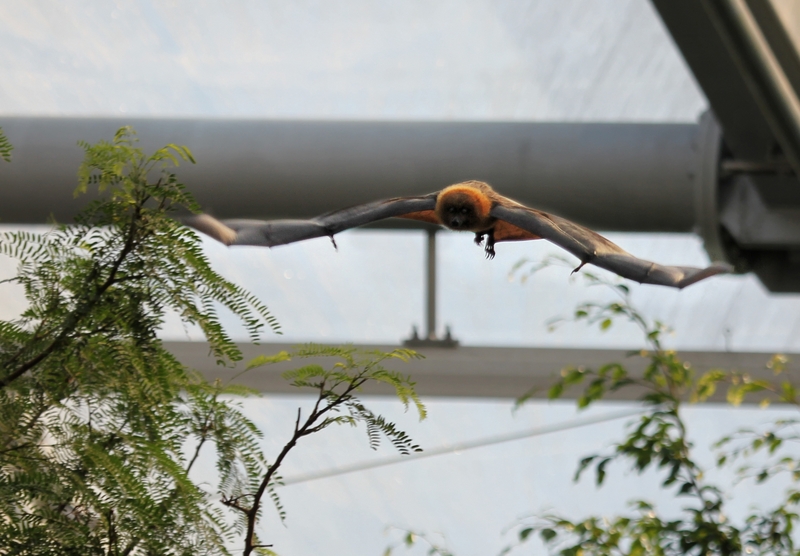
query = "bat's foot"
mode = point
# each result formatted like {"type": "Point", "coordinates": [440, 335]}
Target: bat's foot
{"type": "Point", "coordinates": [489, 249]}
{"type": "Point", "coordinates": [489, 243]}
{"type": "Point", "coordinates": [580, 266]}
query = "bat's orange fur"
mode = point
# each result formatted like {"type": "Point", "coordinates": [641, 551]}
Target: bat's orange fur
{"type": "Point", "coordinates": [479, 194]}
{"type": "Point", "coordinates": [466, 207]}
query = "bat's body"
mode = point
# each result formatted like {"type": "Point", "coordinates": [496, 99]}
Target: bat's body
{"type": "Point", "coordinates": [471, 206]}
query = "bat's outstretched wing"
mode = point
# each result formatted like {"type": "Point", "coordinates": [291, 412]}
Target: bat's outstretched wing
{"type": "Point", "coordinates": [593, 248]}
{"type": "Point", "coordinates": [281, 232]}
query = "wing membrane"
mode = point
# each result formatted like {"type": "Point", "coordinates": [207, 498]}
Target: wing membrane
{"type": "Point", "coordinates": [281, 232]}
{"type": "Point", "coordinates": [592, 248]}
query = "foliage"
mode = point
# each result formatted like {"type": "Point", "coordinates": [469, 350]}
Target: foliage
{"type": "Point", "coordinates": [336, 403]}
{"type": "Point", "coordinates": [659, 441]}
{"type": "Point", "coordinates": [411, 539]}
{"type": "Point", "coordinates": [94, 412]}
{"type": "Point", "coordinates": [100, 426]}
{"type": "Point", "coordinates": [5, 147]}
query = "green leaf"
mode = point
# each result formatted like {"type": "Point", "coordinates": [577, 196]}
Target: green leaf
{"type": "Point", "coordinates": [788, 391]}
{"type": "Point", "coordinates": [572, 375]}
{"type": "Point", "coordinates": [525, 533]}
{"type": "Point", "coordinates": [262, 360]}
{"type": "Point", "coordinates": [5, 147]}
{"type": "Point", "coordinates": [601, 471]}
{"type": "Point", "coordinates": [707, 384]}
{"type": "Point", "coordinates": [548, 534]}
{"type": "Point", "coordinates": [777, 363]}
{"type": "Point", "coordinates": [736, 394]}
{"type": "Point", "coordinates": [556, 390]}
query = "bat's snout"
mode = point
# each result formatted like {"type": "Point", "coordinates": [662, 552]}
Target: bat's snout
{"type": "Point", "coordinates": [456, 222]}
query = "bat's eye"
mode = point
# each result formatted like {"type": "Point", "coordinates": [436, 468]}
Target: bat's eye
{"type": "Point", "coordinates": [451, 210]}
{"type": "Point", "coordinates": [464, 211]}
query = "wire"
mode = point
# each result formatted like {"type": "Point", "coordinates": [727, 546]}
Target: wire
{"type": "Point", "coordinates": [468, 445]}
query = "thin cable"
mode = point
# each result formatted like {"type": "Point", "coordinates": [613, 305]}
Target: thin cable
{"type": "Point", "coordinates": [488, 441]}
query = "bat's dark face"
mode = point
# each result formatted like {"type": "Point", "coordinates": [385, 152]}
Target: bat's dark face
{"type": "Point", "coordinates": [457, 212]}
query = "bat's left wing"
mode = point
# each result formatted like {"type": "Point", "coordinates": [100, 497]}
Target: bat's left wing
{"type": "Point", "coordinates": [281, 232]}
{"type": "Point", "coordinates": [592, 248]}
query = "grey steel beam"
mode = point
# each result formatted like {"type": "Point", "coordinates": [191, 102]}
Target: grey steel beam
{"type": "Point", "coordinates": [696, 35]}
{"type": "Point", "coordinates": [467, 371]}
{"type": "Point", "coordinates": [751, 96]}
{"type": "Point", "coordinates": [749, 70]}
{"type": "Point", "coordinates": [430, 286]}
{"type": "Point", "coordinates": [780, 42]}
{"type": "Point", "coordinates": [430, 338]}
{"type": "Point", "coordinates": [763, 76]}
{"type": "Point", "coordinates": [627, 177]}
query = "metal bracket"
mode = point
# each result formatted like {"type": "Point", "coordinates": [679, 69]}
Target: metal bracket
{"type": "Point", "coordinates": [708, 146]}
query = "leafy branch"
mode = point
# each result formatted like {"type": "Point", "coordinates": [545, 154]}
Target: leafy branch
{"type": "Point", "coordinates": [336, 403]}
{"type": "Point", "coordinates": [95, 414]}
{"type": "Point", "coordinates": [411, 539]}
{"type": "Point", "coordinates": [74, 273]}
{"type": "Point", "coordinates": [101, 427]}
{"type": "Point", "coordinates": [659, 440]}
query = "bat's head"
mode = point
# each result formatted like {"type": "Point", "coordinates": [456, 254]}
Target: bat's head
{"type": "Point", "coordinates": [463, 207]}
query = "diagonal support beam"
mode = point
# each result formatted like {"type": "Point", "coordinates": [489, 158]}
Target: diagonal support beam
{"type": "Point", "coordinates": [731, 56]}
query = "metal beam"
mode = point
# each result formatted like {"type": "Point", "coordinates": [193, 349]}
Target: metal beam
{"type": "Point", "coordinates": [780, 42]}
{"type": "Point", "coordinates": [746, 64]}
{"type": "Point", "coordinates": [485, 372]}
{"type": "Point", "coordinates": [620, 177]}
{"type": "Point", "coordinates": [626, 177]}
{"type": "Point", "coordinates": [762, 74]}
{"type": "Point", "coordinates": [430, 286]}
{"type": "Point", "coordinates": [747, 133]}
{"type": "Point", "coordinates": [739, 64]}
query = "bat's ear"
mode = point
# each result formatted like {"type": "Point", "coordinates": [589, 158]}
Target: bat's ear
{"type": "Point", "coordinates": [211, 227]}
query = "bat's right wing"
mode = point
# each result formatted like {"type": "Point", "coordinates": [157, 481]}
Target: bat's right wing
{"type": "Point", "coordinates": [590, 247]}
{"type": "Point", "coordinates": [281, 232]}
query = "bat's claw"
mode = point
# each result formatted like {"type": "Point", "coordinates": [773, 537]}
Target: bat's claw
{"type": "Point", "coordinates": [490, 253]}
{"type": "Point", "coordinates": [580, 266]}
{"type": "Point", "coordinates": [334, 243]}
{"type": "Point", "coordinates": [478, 239]}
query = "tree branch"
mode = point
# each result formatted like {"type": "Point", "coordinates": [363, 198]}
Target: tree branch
{"type": "Point", "coordinates": [74, 319]}
{"type": "Point", "coordinates": [305, 430]}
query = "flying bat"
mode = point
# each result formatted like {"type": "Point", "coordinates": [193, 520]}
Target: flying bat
{"type": "Point", "coordinates": [471, 206]}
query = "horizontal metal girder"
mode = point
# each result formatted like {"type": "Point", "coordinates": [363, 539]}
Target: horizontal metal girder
{"type": "Point", "coordinates": [467, 371]}
{"type": "Point", "coordinates": [626, 177]}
